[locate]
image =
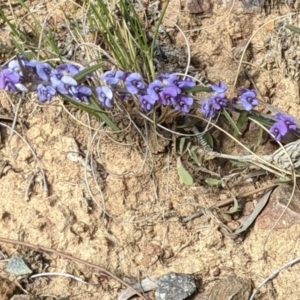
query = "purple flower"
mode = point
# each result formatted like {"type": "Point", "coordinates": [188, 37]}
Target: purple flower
{"type": "Point", "coordinates": [220, 88]}
{"type": "Point", "coordinates": [104, 95]}
{"type": "Point", "coordinates": [168, 94]}
{"type": "Point", "coordinates": [134, 83]}
{"type": "Point", "coordinates": [43, 70]}
{"type": "Point", "coordinates": [208, 109]}
{"type": "Point", "coordinates": [279, 129]}
{"type": "Point", "coordinates": [80, 93]}
{"type": "Point", "coordinates": [183, 103]}
{"type": "Point", "coordinates": [186, 83]}
{"type": "Point", "coordinates": [113, 77]}
{"type": "Point", "coordinates": [147, 102]}
{"type": "Point", "coordinates": [288, 120]}
{"type": "Point", "coordinates": [31, 63]}
{"type": "Point", "coordinates": [163, 77]}
{"type": "Point", "coordinates": [154, 88]}
{"type": "Point", "coordinates": [218, 101]}
{"type": "Point", "coordinates": [171, 80]}
{"type": "Point", "coordinates": [15, 66]}
{"type": "Point", "coordinates": [45, 93]}
{"type": "Point", "coordinates": [8, 80]}
{"type": "Point", "coordinates": [68, 69]}
{"type": "Point", "coordinates": [248, 99]}
{"type": "Point", "coordinates": [61, 82]}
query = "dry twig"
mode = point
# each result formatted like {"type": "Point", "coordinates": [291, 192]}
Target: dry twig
{"type": "Point", "coordinates": [73, 258]}
{"type": "Point", "coordinates": [274, 274]}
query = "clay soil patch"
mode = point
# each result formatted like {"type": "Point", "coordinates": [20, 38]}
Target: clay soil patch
{"type": "Point", "coordinates": [122, 207]}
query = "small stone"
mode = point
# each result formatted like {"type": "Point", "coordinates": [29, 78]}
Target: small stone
{"type": "Point", "coordinates": [232, 287]}
{"type": "Point", "coordinates": [277, 204]}
{"type": "Point", "coordinates": [198, 6]}
{"type": "Point", "coordinates": [17, 266]}
{"type": "Point", "coordinates": [251, 3]}
{"type": "Point", "coordinates": [249, 6]}
{"type": "Point", "coordinates": [216, 272]}
{"type": "Point", "coordinates": [173, 286]}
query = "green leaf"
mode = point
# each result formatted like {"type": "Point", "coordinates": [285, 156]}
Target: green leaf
{"type": "Point", "coordinates": [194, 157]}
{"type": "Point", "coordinates": [181, 144]}
{"type": "Point", "coordinates": [282, 180]}
{"type": "Point", "coordinates": [240, 122]}
{"type": "Point", "coordinates": [234, 209]}
{"type": "Point", "coordinates": [102, 115]}
{"type": "Point", "coordinates": [261, 120]}
{"type": "Point", "coordinates": [213, 182]}
{"type": "Point", "coordinates": [86, 71]}
{"type": "Point", "coordinates": [154, 39]}
{"type": "Point", "coordinates": [208, 139]}
{"type": "Point", "coordinates": [88, 107]}
{"type": "Point", "coordinates": [184, 175]}
{"type": "Point", "coordinates": [93, 109]}
{"type": "Point", "coordinates": [293, 28]}
{"type": "Point", "coordinates": [230, 121]}
{"type": "Point", "coordinates": [197, 89]}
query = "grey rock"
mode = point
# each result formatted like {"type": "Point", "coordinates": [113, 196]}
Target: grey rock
{"type": "Point", "coordinates": [173, 286]}
{"type": "Point", "coordinates": [17, 266]}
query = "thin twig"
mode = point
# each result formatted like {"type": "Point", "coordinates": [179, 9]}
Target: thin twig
{"type": "Point", "coordinates": [61, 274]}
{"type": "Point", "coordinates": [29, 186]}
{"type": "Point", "coordinates": [226, 202]}
{"type": "Point", "coordinates": [187, 46]}
{"type": "Point", "coordinates": [15, 117]}
{"type": "Point", "coordinates": [45, 185]}
{"type": "Point", "coordinates": [73, 258]}
{"type": "Point", "coordinates": [251, 38]}
{"type": "Point", "coordinates": [275, 273]}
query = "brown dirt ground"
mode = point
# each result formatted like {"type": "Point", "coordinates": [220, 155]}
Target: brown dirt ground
{"type": "Point", "coordinates": [142, 235]}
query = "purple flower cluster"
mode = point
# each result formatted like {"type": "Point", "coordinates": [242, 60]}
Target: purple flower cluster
{"type": "Point", "coordinates": [22, 75]}
{"type": "Point", "coordinates": [284, 124]}
{"type": "Point", "coordinates": [213, 104]}
{"type": "Point", "coordinates": [248, 99]}
{"type": "Point", "coordinates": [44, 79]}
{"type": "Point", "coordinates": [166, 89]}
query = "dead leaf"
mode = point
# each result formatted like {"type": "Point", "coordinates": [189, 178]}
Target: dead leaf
{"type": "Point", "coordinates": [146, 285]}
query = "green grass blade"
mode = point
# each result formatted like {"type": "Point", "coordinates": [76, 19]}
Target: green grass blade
{"type": "Point", "coordinates": [93, 109]}
{"type": "Point", "coordinates": [87, 71]}
{"type": "Point", "coordinates": [197, 89]}
{"type": "Point", "coordinates": [163, 11]}
{"type": "Point", "coordinates": [88, 107]}
{"type": "Point", "coordinates": [293, 28]}
{"type": "Point", "coordinates": [261, 120]}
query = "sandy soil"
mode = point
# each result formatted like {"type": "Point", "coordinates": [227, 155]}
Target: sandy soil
{"type": "Point", "coordinates": [125, 215]}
